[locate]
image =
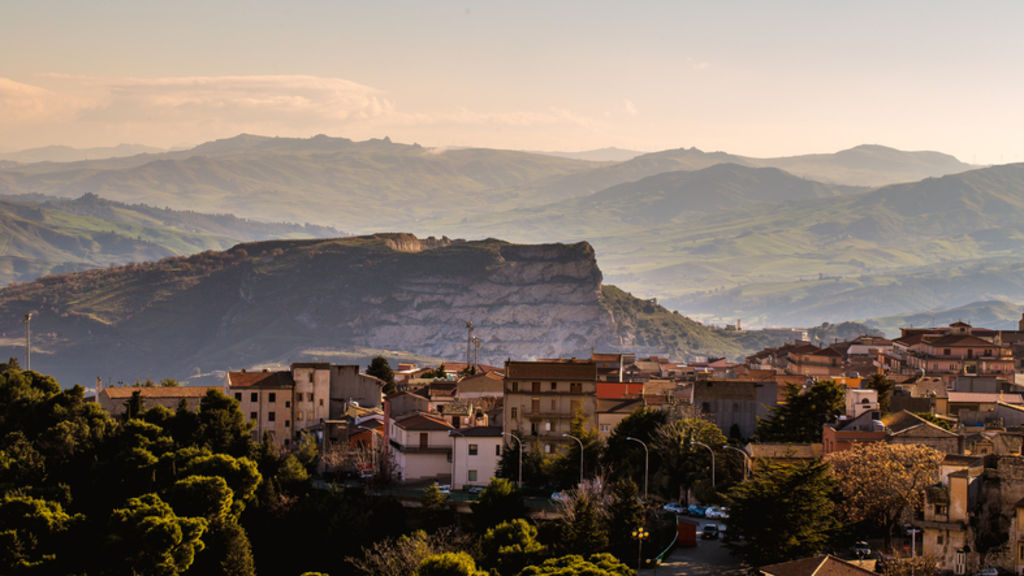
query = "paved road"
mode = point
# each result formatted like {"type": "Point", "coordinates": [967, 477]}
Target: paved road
{"type": "Point", "coordinates": [709, 557]}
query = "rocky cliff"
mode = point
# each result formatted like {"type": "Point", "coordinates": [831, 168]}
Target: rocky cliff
{"type": "Point", "coordinates": [283, 301]}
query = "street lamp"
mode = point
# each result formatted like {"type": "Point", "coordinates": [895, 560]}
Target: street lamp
{"type": "Point", "coordinates": [580, 442]}
{"type": "Point", "coordinates": [520, 443]}
{"type": "Point", "coordinates": [746, 459]}
{"type": "Point", "coordinates": [712, 460]}
{"type": "Point", "coordinates": [647, 458]}
{"type": "Point", "coordinates": [640, 534]}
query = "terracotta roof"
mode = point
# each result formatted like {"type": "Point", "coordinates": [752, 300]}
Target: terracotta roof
{"type": "Point", "coordinates": [420, 421]}
{"type": "Point", "coordinates": [276, 379]}
{"type": "Point", "coordinates": [826, 565]}
{"type": "Point", "coordinates": [961, 341]}
{"type": "Point", "coordinates": [160, 391]}
{"type": "Point", "coordinates": [986, 397]}
{"type": "Point", "coordinates": [579, 370]}
{"type": "Point", "coordinates": [904, 420]}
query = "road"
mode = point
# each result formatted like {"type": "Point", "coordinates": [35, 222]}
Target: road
{"type": "Point", "coordinates": [709, 557]}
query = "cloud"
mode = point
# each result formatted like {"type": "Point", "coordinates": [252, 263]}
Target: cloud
{"type": "Point", "coordinates": [168, 111]}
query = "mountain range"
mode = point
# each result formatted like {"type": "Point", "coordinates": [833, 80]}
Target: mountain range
{"type": "Point", "coordinates": [777, 241]}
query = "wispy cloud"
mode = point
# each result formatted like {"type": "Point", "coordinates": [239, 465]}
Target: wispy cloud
{"type": "Point", "coordinates": [174, 110]}
{"type": "Point", "coordinates": [630, 107]}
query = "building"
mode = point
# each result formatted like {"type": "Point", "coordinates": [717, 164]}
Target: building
{"type": "Point", "coordinates": [611, 412]}
{"type": "Point", "coordinates": [734, 405]}
{"type": "Point", "coordinates": [543, 397]}
{"type": "Point", "coordinates": [282, 403]}
{"type": "Point", "coordinates": [842, 435]}
{"type": "Point", "coordinates": [115, 400]}
{"type": "Point", "coordinates": [420, 447]}
{"type": "Point", "coordinates": [476, 453]}
{"type": "Point", "coordinates": [827, 565]}
{"type": "Point", "coordinates": [907, 428]}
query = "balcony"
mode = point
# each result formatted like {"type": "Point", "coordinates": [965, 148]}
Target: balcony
{"type": "Point", "coordinates": [421, 448]}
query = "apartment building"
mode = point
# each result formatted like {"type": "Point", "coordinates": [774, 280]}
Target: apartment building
{"type": "Point", "coordinates": [543, 397]}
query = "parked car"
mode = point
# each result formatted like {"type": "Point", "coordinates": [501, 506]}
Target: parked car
{"type": "Point", "coordinates": [987, 572]}
{"type": "Point", "coordinates": [561, 496]}
{"type": "Point", "coordinates": [709, 531]}
{"type": "Point", "coordinates": [717, 512]}
{"type": "Point", "coordinates": [695, 510]}
{"type": "Point", "coordinates": [475, 489]}
{"type": "Point", "coordinates": [674, 507]}
{"type": "Point", "coordinates": [860, 549]}
{"type": "Point", "coordinates": [444, 488]}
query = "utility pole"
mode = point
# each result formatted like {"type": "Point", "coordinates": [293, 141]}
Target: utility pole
{"type": "Point", "coordinates": [28, 341]}
{"type": "Point", "coordinates": [476, 350]}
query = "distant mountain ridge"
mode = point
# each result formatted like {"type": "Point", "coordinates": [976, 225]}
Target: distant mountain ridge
{"type": "Point", "coordinates": [69, 154]}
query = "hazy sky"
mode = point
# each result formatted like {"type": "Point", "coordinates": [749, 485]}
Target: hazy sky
{"type": "Point", "coordinates": [756, 78]}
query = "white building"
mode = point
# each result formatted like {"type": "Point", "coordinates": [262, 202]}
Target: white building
{"type": "Point", "coordinates": [420, 447]}
{"type": "Point", "coordinates": [475, 455]}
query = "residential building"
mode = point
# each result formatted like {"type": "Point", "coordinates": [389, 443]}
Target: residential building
{"type": "Point", "coordinates": [844, 434]}
{"type": "Point", "coordinates": [420, 447]}
{"type": "Point", "coordinates": [543, 397]}
{"type": "Point", "coordinates": [734, 405]}
{"type": "Point", "coordinates": [610, 412]}
{"type": "Point", "coordinates": [907, 428]}
{"type": "Point", "coordinates": [115, 399]}
{"type": "Point", "coordinates": [476, 453]}
{"type": "Point", "coordinates": [282, 403]}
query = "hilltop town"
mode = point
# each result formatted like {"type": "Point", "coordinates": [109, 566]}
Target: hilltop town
{"type": "Point", "coordinates": [570, 424]}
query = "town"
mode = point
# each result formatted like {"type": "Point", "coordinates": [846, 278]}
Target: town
{"type": "Point", "coordinates": [689, 435]}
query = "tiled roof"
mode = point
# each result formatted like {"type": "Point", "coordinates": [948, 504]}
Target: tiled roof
{"type": "Point", "coordinates": [986, 397]}
{"type": "Point", "coordinates": [827, 565]}
{"type": "Point", "coordinates": [420, 421]}
{"type": "Point", "coordinates": [276, 379]}
{"type": "Point", "coordinates": [160, 391]}
{"type": "Point", "coordinates": [961, 341]}
{"type": "Point", "coordinates": [579, 370]}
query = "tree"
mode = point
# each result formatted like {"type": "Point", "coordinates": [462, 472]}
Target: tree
{"type": "Point", "coordinates": [884, 483]}
{"type": "Point", "coordinates": [149, 538]}
{"type": "Point", "coordinates": [884, 386]}
{"type": "Point", "coordinates": [625, 514]}
{"type": "Point", "coordinates": [227, 549]}
{"type": "Point", "coordinates": [402, 556]}
{"type": "Point", "coordinates": [510, 546]}
{"type": "Point", "coordinates": [575, 565]}
{"type": "Point", "coordinates": [585, 530]}
{"type": "Point", "coordinates": [31, 534]}
{"type": "Point", "coordinates": [500, 501]}
{"type": "Point", "coordinates": [566, 466]}
{"type": "Point", "coordinates": [626, 457]}
{"type": "Point", "coordinates": [434, 509]}
{"type": "Point", "coordinates": [380, 368]}
{"type": "Point", "coordinates": [686, 465]}
{"type": "Point", "coordinates": [782, 513]}
{"type": "Point", "coordinates": [801, 417]}
{"type": "Point", "coordinates": [222, 427]}
{"type": "Point", "coordinates": [449, 564]}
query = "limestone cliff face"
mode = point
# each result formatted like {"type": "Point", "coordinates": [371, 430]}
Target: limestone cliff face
{"type": "Point", "coordinates": [527, 302]}
{"type": "Point", "coordinates": [285, 301]}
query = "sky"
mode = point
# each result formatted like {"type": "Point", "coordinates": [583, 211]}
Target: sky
{"type": "Point", "coordinates": [753, 78]}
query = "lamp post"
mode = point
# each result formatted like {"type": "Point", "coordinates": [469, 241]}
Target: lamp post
{"type": "Point", "coordinates": [647, 459]}
{"type": "Point", "coordinates": [520, 443]}
{"type": "Point", "coordinates": [640, 534]}
{"type": "Point", "coordinates": [746, 459]}
{"type": "Point", "coordinates": [712, 460]}
{"type": "Point", "coordinates": [28, 341]}
{"type": "Point", "coordinates": [580, 442]}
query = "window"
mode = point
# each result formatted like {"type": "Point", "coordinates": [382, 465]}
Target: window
{"type": "Point", "coordinates": [1020, 552]}
{"type": "Point", "coordinates": [423, 440]}
{"type": "Point", "coordinates": [271, 416]}
{"type": "Point", "coordinates": [287, 404]}
{"type": "Point", "coordinates": [252, 415]}
{"type": "Point", "coordinates": [535, 405]}
{"type": "Point", "coordinates": [286, 442]}
{"type": "Point", "coordinates": [514, 414]}
{"type": "Point", "coordinates": [945, 351]}
{"type": "Point", "coordinates": [321, 401]}
{"type": "Point", "coordinates": [515, 386]}
{"type": "Point", "coordinates": [576, 388]}
{"type": "Point", "coordinates": [272, 397]}
{"type": "Point", "coordinates": [254, 397]}
{"type": "Point", "coordinates": [238, 396]}
{"type": "Point", "coordinates": [554, 386]}
{"type": "Point", "coordinates": [605, 428]}
{"type": "Point", "coordinates": [535, 386]}
{"type": "Point", "coordinates": [940, 510]}
{"type": "Point", "coordinates": [471, 476]}
{"type": "Point", "coordinates": [547, 426]}
{"type": "Point", "coordinates": [473, 449]}
{"type": "Point", "coordinates": [287, 423]}
{"type": "Point", "coordinates": [938, 538]}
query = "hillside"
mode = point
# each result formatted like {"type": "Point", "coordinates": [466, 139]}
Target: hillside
{"type": "Point", "coordinates": [995, 314]}
{"type": "Point", "coordinates": [40, 235]}
{"type": "Point", "coordinates": [328, 181]}
{"type": "Point", "coordinates": [274, 302]}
